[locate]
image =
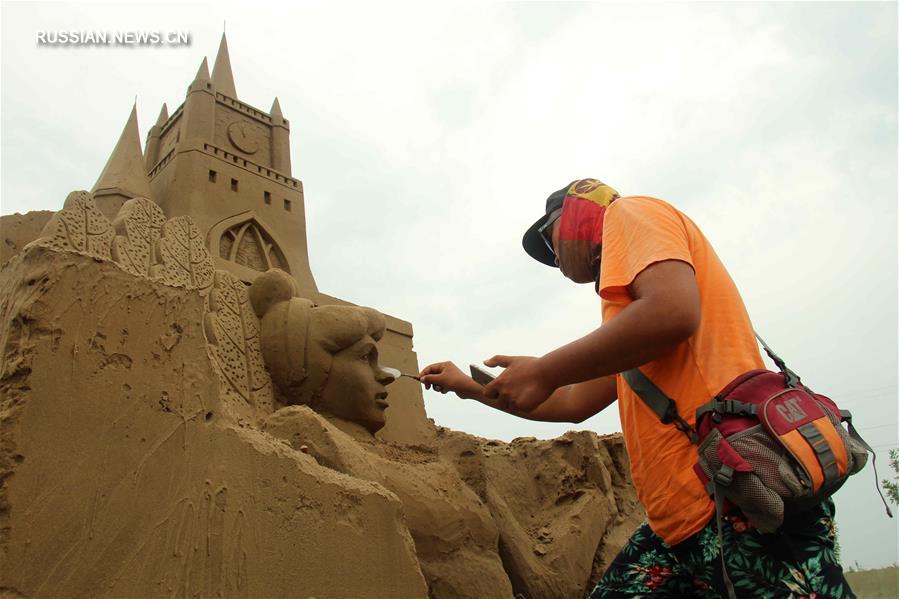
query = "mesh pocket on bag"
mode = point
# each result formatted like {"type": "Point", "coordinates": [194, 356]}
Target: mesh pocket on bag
{"type": "Point", "coordinates": [758, 494]}
{"type": "Point", "coordinates": [708, 453]}
{"type": "Point", "coordinates": [761, 505]}
{"type": "Point", "coordinates": [769, 460]}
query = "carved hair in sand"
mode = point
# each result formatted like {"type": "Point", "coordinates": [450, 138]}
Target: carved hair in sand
{"type": "Point", "coordinates": [322, 356]}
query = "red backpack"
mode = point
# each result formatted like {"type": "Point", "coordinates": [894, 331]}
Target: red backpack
{"type": "Point", "coordinates": [767, 444]}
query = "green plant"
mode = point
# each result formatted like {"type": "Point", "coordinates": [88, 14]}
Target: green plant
{"type": "Point", "coordinates": [836, 541]}
{"type": "Point", "coordinates": [892, 486]}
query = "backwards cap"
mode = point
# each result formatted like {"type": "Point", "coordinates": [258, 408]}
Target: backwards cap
{"type": "Point", "coordinates": [590, 196]}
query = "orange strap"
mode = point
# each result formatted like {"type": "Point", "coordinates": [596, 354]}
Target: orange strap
{"type": "Point", "coordinates": [818, 446]}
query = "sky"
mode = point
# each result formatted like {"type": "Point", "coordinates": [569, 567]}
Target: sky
{"type": "Point", "coordinates": [428, 136]}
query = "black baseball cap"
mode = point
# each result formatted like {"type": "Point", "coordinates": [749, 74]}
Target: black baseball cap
{"type": "Point", "coordinates": [532, 241]}
{"type": "Point", "coordinates": [591, 190]}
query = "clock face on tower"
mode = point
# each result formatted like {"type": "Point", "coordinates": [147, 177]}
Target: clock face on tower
{"type": "Point", "coordinates": [244, 136]}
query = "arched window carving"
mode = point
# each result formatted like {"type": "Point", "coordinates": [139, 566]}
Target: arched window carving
{"type": "Point", "coordinates": [248, 244]}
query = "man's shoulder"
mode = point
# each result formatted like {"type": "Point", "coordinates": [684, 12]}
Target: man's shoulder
{"type": "Point", "coordinates": [643, 205]}
{"type": "Point", "coordinates": [642, 200]}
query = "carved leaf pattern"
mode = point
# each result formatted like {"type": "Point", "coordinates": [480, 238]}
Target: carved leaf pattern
{"type": "Point", "coordinates": [173, 253]}
{"type": "Point", "coordinates": [232, 331]}
{"type": "Point", "coordinates": [138, 226]}
{"type": "Point", "coordinates": [181, 256]}
{"type": "Point", "coordinates": [79, 227]}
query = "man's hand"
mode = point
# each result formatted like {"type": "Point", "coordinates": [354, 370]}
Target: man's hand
{"type": "Point", "coordinates": [573, 403]}
{"type": "Point", "coordinates": [522, 386]}
{"type": "Point", "coordinates": [446, 376]}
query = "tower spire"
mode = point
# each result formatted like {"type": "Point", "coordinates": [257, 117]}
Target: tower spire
{"type": "Point", "coordinates": [163, 115]}
{"type": "Point", "coordinates": [124, 171]}
{"type": "Point", "coordinates": [221, 71]}
{"type": "Point", "coordinates": [151, 149]}
{"type": "Point", "coordinates": [280, 139]}
{"type": "Point", "coordinates": [275, 112]}
{"type": "Point", "coordinates": [203, 71]}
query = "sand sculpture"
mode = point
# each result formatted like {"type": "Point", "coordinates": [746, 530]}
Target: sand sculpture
{"type": "Point", "coordinates": [169, 430]}
{"type": "Point", "coordinates": [322, 356]}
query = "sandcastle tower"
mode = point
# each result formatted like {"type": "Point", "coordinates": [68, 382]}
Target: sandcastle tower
{"type": "Point", "coordinates": [226, 165]}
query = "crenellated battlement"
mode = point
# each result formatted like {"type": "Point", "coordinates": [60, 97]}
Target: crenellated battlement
{"type": "Point", "coordinates": [245, 109]}
{"type": "Point", "coordinates": [251, 166]}
{"type": "Point", "coordinates": [172, 120]}
{"type": "Point", "coordinates": [162, 163]}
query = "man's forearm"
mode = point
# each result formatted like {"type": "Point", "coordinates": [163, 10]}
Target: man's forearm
{"type": "Point", "coordinates": [476, 393]}
{"type": "Point", "coordinates": [576, 403]}
{"type": "Point", "coordinates": [572, 403]}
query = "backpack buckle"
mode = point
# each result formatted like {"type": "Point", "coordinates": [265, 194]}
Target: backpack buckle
{"type": "Point", "coordinates": [724, 476]}
{"type": "Point", "coordinates": [737, 408]}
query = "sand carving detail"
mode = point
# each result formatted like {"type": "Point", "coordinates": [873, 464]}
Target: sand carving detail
{"type": "Point", "coordinates": [322, 356]}
{"type": "Point", "coordinates": [79, 227]}
{"type": "Point", "coordinates": [232, 332]}
{"type": "Point", "coordinates": [139, 240]}
{"type": "Point", "coordinates": [181, 256]}
{"type": "Point", "coordinates": [138, 227]}
{"type": "Point", "coordinates": [143, 243]}
{"type": "Point", "coordinates": [248, 244]}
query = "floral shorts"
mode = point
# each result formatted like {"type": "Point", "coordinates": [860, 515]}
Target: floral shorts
{"type": "Point", "coordinates": [797, 561]}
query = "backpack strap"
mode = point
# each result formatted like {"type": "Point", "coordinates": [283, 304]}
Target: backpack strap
{"type": "Point", "coordinates": [716, 488]}
{"type": "Point", "coordinates": [823, 451]}
{"type": "Point", "coordinates": [846, 416]}
{"type": "Point", "coordinates": [665, 408]}
{"type": "Point", "coordinates": [657, 401]}
{"type": "Point", "coordinates": [792, 379]}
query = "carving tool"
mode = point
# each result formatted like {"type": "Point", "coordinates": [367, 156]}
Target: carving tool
{"type": "Point", "coordinates": [397, 374]}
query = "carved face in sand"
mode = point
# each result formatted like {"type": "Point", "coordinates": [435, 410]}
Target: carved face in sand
{"type": "Point", "coordinates": [322, 356]}
{"type": "Point", "coordinates": [356, 388]}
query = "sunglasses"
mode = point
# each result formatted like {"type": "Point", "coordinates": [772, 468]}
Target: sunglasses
{"type": "Point", "coordinates": [545, 232]}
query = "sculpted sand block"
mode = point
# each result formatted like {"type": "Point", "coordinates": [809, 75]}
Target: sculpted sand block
{"type": "Point", "coordinates": [185, 414]}
{"type": "Point", "coordinates": [131, 461]}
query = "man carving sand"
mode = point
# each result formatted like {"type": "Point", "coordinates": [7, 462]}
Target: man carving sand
{"type": "Point", "coordinates": [669, 307]}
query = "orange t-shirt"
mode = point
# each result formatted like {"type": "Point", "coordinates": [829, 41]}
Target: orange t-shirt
{"type": "Point", "coordinates": [637, 232]}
